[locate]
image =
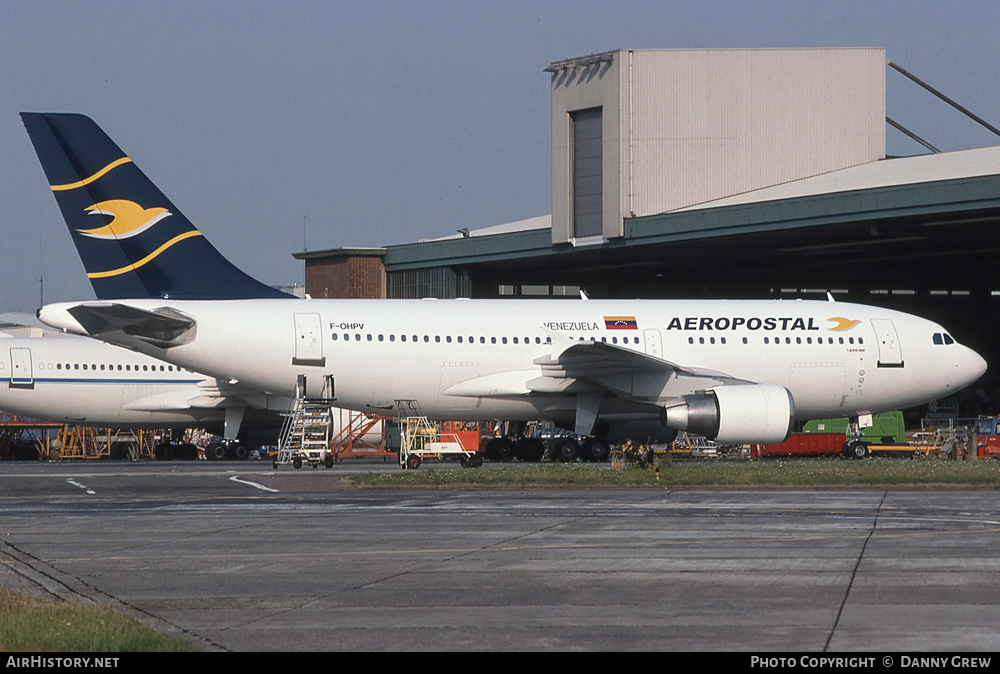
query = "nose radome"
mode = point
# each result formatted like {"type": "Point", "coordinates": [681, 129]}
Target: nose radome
{"type": "Point", "coordinates": [978, 365]}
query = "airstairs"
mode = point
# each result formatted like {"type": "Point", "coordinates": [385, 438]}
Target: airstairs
{"type": "Point", "coordinates": [305, 434]}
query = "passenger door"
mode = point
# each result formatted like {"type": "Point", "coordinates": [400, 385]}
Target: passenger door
{"type": "Point", "coordinates": [308, 340]}
{"type": "Point", "coordinates": [889, 352]}
{"type": "Point", "coordinates": [20, 368]}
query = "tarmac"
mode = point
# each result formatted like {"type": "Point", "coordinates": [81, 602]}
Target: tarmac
{"type": "Point", "coordinates": [241, 557]}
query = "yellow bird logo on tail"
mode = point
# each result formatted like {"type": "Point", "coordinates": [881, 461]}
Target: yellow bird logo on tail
{"type": "Point", "coordinates": [842, 323]}
{"type": "Point", "coordinates": [128, 219]}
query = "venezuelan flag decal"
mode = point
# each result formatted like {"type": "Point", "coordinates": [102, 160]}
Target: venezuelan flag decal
{"type": "Point", "coordinates": [620, 323]}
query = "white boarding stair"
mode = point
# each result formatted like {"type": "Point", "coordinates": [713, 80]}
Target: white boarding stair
{"type": "Point", "coordinates": [305, 435]}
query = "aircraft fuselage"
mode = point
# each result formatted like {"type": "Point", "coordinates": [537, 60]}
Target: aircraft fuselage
{"type": "Point", "coordinates": [478, 359]}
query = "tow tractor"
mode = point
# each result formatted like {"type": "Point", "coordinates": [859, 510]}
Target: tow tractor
{"type": "Point", "coordinates": [988, 437]}
{"type": "Point", "coordinates": [422, 439]}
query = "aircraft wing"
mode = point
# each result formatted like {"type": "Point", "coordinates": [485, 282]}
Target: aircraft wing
{"type": "Point", "coordinates": [214, 394]}
{"type": "Point", "coordinates": [220, 393]}
{"type": "Point", "coordinates": [211, 394]}
{"type": "Point", "coordinates": [593, 370]}
{"type": "Point", "coordinates": [594, 367]}
{"type": "Point", "coordinates": [598, 369]}
{"type": "Point", "coordinates": [622, 372]}
{"type": "Point", "coordinates": [596, 359]}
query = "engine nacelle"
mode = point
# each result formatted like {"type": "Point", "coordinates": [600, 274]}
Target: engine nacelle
{"type": "Point", "coordinates": [751, 413]}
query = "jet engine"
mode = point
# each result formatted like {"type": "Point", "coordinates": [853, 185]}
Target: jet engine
{"type": "Point", "coordinates": [751, 413]}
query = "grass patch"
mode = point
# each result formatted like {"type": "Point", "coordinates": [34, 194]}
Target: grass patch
{"type": "Point", "coordinates": [879, 472]}
{"type": "Point", "coordinates": [29, 625]}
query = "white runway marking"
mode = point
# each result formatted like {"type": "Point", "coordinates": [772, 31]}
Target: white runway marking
{"type": "Point", "coordinates": [81, 486]}
{"type": "Point", "coordinates": [253, 484]}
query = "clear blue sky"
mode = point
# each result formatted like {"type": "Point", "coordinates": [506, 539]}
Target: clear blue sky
{"type": "Point", "coordinates": [387, 122]}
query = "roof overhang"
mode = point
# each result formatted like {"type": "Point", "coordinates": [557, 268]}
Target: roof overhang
{"type": "Point", "coordinates": [836, 211]}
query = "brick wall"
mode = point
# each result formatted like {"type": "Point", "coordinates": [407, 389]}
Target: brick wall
{"type": "Point", "coordinates": [346, 277]}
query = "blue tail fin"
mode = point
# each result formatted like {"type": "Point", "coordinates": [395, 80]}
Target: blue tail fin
{"type": "Point", "coordinates": [133, 242]}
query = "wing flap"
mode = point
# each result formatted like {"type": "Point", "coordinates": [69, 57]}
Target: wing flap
{"type": "Point", "coordinates": [596, 360]}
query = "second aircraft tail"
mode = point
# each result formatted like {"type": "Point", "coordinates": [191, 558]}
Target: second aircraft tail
{"type": "Point", "coordinates": [133, 242]}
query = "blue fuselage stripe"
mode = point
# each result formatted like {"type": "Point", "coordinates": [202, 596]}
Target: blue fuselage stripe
{"type": "Point", "coordinates": [140, 382]}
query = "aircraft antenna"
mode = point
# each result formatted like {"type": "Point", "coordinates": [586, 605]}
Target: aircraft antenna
{"type": "Point", "coordinates": [41, 275]}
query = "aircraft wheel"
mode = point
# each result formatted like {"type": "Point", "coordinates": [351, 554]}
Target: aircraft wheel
{"type": "Point", "coordinates": [857, 449]}
{"type": "Point", "coordinates": [491, 449]}
{"type": "Point", "coordinates": [565, 450]}
{"type": "Point", "coordinates": [530, 450]}
{"type": "Point", "coordinates": [501, 449]}
{"type": "Point", "coordinates": [594, 450]}
{"type": "Point", "coordinates": [216, 451]}
{"type": "Point", "coordinates": [241, 452]}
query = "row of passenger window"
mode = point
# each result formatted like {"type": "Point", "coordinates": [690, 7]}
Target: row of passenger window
{"type": "Point", "coordinates": [788, 340]}
{"type": "Point", "coordinates": [109, 368]}
{"type": "Point", "coordinates": [462, 339]}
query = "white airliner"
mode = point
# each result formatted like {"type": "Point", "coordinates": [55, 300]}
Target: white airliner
{"type": "Point", "coordinates": [736, 371]}
{"type": "Point", "coordinates": [83, 381]}
{"type": "Point", "coordinates": [732, 370]}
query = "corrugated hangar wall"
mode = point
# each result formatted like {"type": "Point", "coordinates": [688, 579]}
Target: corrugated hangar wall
{"type": "Point", "coordinates": [683, 127]}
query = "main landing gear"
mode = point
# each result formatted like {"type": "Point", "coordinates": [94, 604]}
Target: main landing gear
{"type": "Point", "coordinates": [565, 448]}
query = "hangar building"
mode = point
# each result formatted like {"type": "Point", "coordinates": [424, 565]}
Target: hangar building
{"type": "Point", "coordinates": [740, 173]}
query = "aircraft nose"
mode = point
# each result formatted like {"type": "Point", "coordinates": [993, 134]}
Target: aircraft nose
{"type": "Point", "coordinates": [977, 365]}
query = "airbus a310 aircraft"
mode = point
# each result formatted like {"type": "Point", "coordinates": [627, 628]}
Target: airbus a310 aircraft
{"type": "Point", "coordinates": [733, 370]}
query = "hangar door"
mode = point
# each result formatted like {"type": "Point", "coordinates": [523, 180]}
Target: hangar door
{"type": "Point", "coordinates": [587, 139]}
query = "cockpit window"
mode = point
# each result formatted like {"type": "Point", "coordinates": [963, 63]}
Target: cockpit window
{"type": "Point", "coordinates": [943, 338]}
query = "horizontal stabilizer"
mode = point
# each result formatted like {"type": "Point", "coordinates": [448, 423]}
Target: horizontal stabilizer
{"type": "Point", "coordinates": [161, 327]}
